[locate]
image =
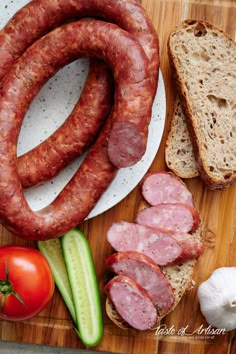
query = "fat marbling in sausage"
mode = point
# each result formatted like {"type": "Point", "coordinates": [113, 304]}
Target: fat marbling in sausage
{"type": "Point", "coordinates": [146, 273]}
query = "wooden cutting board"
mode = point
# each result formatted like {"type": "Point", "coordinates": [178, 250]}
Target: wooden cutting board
{"type": "Point", "coordinates": [218, 209]}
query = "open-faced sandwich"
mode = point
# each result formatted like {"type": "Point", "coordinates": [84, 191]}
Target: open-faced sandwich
{"type": "Point", "coordinates": [155, 255]}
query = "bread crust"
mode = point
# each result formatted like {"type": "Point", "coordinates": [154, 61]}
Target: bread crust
{"type": "Point", "coordinates": [179, 155]}
{"type": "Point", "coordinates": [209, 178]}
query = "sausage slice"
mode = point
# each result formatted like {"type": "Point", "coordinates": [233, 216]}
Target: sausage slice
{"type": "Point", "coordinates": [164, 187]}
{"type": "Point", "coordinates": [170, 217]}
{"type": "Point", "coordinates": [132, 302]}
{"type": "Point", "coordinates": [146, 273]}
{"type": "Point", "coordinates": [191, 247]}
{"type": "Point", "coordinates": [162, 248]}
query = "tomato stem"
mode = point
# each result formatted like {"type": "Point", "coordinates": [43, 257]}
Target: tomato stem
{"type": "Point", "coordinates": [6, 289]}
{"type": "Point", "coordinates": [18, 297]}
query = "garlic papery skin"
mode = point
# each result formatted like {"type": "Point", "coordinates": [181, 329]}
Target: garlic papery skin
{"type": "Point", "coordinates": [217, 298]}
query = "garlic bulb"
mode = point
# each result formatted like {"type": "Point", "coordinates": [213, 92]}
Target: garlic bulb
{"type": "Point", "coordinates": [217, 297]}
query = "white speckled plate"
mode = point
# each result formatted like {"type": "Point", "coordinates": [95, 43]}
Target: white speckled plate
{"type": "Point", "coordinates": [51, 107]}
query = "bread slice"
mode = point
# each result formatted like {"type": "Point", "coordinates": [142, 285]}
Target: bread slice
{"type": "Point", "coordinates": [203, 59]}
{"type": "Point", "coordinates": [181, 276]}
{"type": "Point", "coordinates": [179, 154]}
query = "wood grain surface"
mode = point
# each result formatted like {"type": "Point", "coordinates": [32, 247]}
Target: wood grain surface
{"type": "Point", "coordinates": [218, 209]}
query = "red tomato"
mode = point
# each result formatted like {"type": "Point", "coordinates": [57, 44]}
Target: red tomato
{"type": "Point", "coordinates": [26, 282]}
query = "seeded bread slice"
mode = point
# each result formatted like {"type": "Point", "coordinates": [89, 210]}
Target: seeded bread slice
{"type": "Point", "coordinates": [203, 59]}
{"type": "Point", "coordinates": [179, 154]}
{"type": "Point", "coordinates": [181, 276]}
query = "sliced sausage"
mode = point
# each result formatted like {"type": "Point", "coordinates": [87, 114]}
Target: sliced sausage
{"type": "Point", "coordinates": [146, 273]}
{"type": "Point", "coordinates": [164, 187]}
{"type": "Point", "coordinates": [191, 247]}
{"type": "Point", "coordinates": [18, 88]}
{"type": "Point", "coordinates": [162, 248]}
{"type": "Point", "coordinates": [170, 217]}
{"type": "Point", "coordinates": [132, 302]}
{"type": "Point", "coordinates": [40, 16]}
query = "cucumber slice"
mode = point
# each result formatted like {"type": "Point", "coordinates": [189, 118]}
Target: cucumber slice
{"type": "Point", "coordinates": [84, 286]}
{"type": "Point", "coordinates": [52, 250]}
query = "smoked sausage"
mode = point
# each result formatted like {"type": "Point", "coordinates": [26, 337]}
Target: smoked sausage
{"type": "Point", "coordinates": [146, 273]}
{"type": "Point", "coordinates": [19, 86]}
{"type": "Point", "coordinates": [164, 187]}
{"type": "Point", "coordinates": [175, 217]}
{"type": "Point", "coordinates": [40, 16]}
{"type": "Point", "coordinates": [161, 247]}
{"type": "Point", "coordinates": [164, 248]}
{"type": "Point", "coordinates": [76, 134]}
{"type": "Point", "coordinates": [191, 247]}
{"type": "Point", "coordinates": [132, 302]}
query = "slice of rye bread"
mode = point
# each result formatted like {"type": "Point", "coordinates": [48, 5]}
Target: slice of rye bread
{"type": "Point", "coordinates": [179, 154]}
{"type": "Point", "coordinates": [179, 275]}
{"type": "Point", "coordinates": [203, 59]}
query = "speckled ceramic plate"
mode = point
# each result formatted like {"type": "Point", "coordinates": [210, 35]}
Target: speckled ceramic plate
{"type": "Point", "coordinates": [51, 107]}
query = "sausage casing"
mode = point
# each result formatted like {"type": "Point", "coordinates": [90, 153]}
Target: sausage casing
{"type": "Point", "coordinates": [19, 87]}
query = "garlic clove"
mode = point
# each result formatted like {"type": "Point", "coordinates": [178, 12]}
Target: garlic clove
{"type": "Point", "coordinates": [217, 298]}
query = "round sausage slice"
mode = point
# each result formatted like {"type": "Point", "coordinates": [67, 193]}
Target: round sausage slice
{"type": "Point", "coordinates": [170, 217]}
{"type": "Point", "coordinates": [75, 135]}
{"type": "Point", "coordinates": [146, 273]}
{"type": "Point", "coordinates": [132, 303]}
{"type": "Point", "coordinates": [162, 248]}
{"type": "Point", "coordinates": [164, 187]}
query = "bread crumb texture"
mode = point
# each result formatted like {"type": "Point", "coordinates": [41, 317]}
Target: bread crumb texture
{"type": "Point", "coordinates": [179, 152]}
{"type": "Point", "coordinates": [205, 62]}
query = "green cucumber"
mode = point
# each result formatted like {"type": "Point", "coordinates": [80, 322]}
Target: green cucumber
{"type": "Point", "coordinates": [84, 286]}
{"type": "Point", "coordinates": [52, 250]}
